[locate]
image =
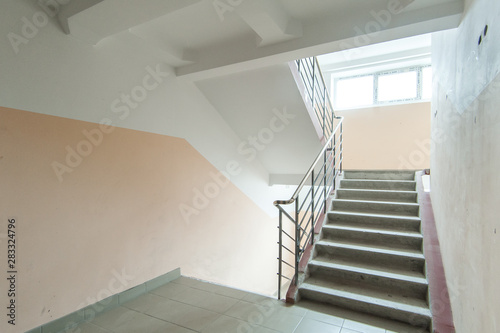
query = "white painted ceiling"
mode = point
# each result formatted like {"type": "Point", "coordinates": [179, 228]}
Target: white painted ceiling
{"type": "Point", "coordinates": [393, 54]}
{"type": "Point", "coordinates": [206, 38]}
{"type": "Point", "coordinates": [236, 51]}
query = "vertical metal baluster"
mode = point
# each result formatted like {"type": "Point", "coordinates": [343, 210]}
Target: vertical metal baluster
{"type": "Point", "coordinates": [312, 207]}
{"type": "Point", "coordinates": [324, 182]}
{"type": "Point", "coordinates": [325, 125]}
{"type": "Point", "coordinates": [280, 272]}
{"type": "Point", "coordinates": [297, 240]}
{"type": "Point", "coordinates": [341, 146]}
{"type": "Point", "coordinates": [313, 83]}
{"type": "Point", "coordinates": [334, 159]}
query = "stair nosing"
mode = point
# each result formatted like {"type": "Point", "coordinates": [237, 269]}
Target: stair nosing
{"type": "Point", "coordinates": [345, 212]}
{"type": "Point", "coordinates": [372, 249]}
{"type": "Point", "coordinates": [370, 271]}
{"type": "Point", "coordinates": [372, 190]}
{"type": "Point", "coordinates": [422, 311]}
{"type": "Point", "coordinates": [379, 180]}
{"type": "Point", "coordinates": [385, 232]}
{"type": "Point", "coordinates": [412, 204]}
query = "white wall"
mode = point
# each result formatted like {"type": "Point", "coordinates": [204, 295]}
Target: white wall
{"type": "Point", "coordinates": [56, 74]}
{"type": "Point", "coordinates": [50, 73]}
{"type": "Point", "coordinates": [465, 161]}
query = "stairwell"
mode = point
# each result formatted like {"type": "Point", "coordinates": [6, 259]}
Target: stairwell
{"type": "Point", "coordinates": [369, 256]}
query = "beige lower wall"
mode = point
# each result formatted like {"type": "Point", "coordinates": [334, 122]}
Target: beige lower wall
{"type": "Point", "coordinates": [387, 137]}
{"type": "Point", "coordinates": [114, 221]}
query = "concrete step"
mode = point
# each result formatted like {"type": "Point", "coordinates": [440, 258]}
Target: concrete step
{"type": "Point", "coordinates": [391, 185]}
{"type": "Point", "coordinates": [406, 286]}
{"type": "Point", "coordinates": [379, 174]}
{"type": "Point", "coordinates": [385, 305]}
{"type": "Point", "coordinates": [373, 237]}
{"type": "Point", "coordinates": [377, 195]}
{"type": "Point", "coordinates": [373, 257]}
{"type": "Point", "coordinates": [374, 221]}
{"type": "Point", "coordinates": [377, 207]}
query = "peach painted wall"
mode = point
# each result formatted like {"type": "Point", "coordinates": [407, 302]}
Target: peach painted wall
{"type": "Point", "coordinates": [387, 137]}
{"type": "Point", "coordinates": [118, 214]}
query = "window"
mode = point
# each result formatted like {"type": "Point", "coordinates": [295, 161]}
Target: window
{"type": "Point", "coordinates": [427, 83]}
{"type": "Point", "coordinates": [383, 88]}
{"type": "Point", "coordinates": [398, 86]}
{"type": "Point", "coordinates": [354, 92]}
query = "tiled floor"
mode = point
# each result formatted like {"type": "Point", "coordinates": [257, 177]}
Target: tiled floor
{"type": "Point", "coordinates": [188, 305]}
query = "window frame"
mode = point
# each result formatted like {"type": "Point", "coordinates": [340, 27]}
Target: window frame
{"type": "Point", "coordinates": [376, 76]}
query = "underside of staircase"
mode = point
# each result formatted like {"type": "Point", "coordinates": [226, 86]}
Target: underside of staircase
{"type": "Point", "coordinates": [369, 255]}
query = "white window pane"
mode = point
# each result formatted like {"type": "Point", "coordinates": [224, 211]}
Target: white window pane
{"type": "Point", "coordinates": [354, 92]}
{"type": "Point", "coordinates": [427, 83]}
{"type": "Point", "coordinates": [398, 86]}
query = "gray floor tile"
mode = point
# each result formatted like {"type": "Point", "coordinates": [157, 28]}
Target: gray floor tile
{"type": "Point", "coordinates": [184, 315]}
{"type": "Point", "coordinates": [145, 302]}
{"type": "Point", "coordinates": [309, 325]}
{"type": "Point", "coordinates": [115, 318]}
{"type": "Point", "coordinates": [225, 324]}
{"type": "Point", "coordinates": [89, 328]}
{"type": "Point", "coordinates": [326, 318]}
{"type": "Point", "coordinates": [205, 300]}
{"type": "Point", "coordinates": [363, 328]}
{"type": "Point", "coordinates": [282, 322]}
{"type": "Point", "coordinates": [145, 323]}
{"type": "Point", "coordinates": [170, 289]}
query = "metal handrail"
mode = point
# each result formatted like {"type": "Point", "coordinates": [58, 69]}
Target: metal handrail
{"type": "Point", "coordinates": [307, 208]}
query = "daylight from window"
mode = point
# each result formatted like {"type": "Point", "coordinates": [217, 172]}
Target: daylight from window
{"type": "Point", "coordinates": [405, 85]}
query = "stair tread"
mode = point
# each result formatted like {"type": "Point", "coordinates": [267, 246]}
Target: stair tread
{"type": "Point", "coordinates": [398, 203]}
{"type": "Point", "coordinates": [415, 218]}
{"type": "Point", "coordinates": [378, 180]}
{"type": "Point", "coordinates": [376, 190]}
{"type": "Point", "coordinates": [370, 271]}
{"type": "Point", "coordinates": [338, 212]}
{"type": "Point", "coordinates": [371, 248]}
{"type": "Point", "coordinates": [411, 234]}
{"type": "Point", "coordinates": [375, 267]}
{"type": "Point", "coordinates": [411, 305]}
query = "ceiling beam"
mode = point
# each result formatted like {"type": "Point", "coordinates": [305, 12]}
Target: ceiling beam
{"type": "Point", "coordinates": [269, 21]}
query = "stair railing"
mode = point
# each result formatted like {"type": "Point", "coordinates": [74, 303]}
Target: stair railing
{"type": "Point", "coordinates": [317, 93]}
{"type": "Point", "coordinates": [299, 215]}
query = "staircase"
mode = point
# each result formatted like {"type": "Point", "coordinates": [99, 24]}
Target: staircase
{"type": "Point", "coordinates": [369, 256]}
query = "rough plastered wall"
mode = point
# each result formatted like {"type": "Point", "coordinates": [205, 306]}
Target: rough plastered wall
{"type": "Point", "coordinates": [465, 164]}
{"type": "Point", "coordinates": [114, 222]}
{"type": "Point", "coordinates": [395, 137]}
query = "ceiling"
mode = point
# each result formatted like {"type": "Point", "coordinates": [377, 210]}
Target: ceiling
{"type": "Point", "coordinates": [201, 39]}
{"type": "Point", "coordinates": [399, 53]}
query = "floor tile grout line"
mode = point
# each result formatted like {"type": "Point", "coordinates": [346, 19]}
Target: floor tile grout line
{"type": "Point", "coordinates": [208, 291]}
{"type": "Point", "coordinates": [175, 323]}
{"type": "Point", "coordinates": [173, 300]}
{"type": "Point", "coordinates": [218, 285]}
